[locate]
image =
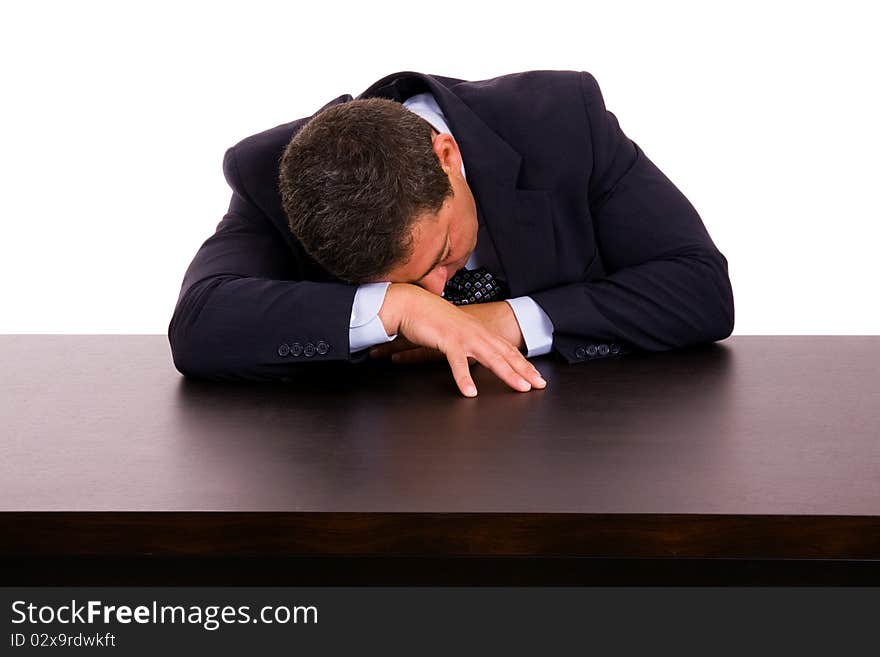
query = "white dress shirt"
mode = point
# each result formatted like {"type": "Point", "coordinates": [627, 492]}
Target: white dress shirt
{"type": "Point", "coordinates": [365, 327]}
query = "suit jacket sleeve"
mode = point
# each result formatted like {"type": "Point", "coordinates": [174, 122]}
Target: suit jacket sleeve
{"type": "Point", "coordinates": [242, 313]}
{"type": "Point", "coordinates": [666, 284]}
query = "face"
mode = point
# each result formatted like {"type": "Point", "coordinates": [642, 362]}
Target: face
{"type": "Point", "coordinates": [442, 242]}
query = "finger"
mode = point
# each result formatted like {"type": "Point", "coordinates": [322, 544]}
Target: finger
{"type": "Point", "coordinates": [522, 366]}
{"type": "Point", "coordinates": [458, 362]}
{"type": "Point", "coordinates": [494, 356]}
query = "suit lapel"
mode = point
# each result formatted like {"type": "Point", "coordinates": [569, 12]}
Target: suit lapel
{"type": "Point", "coordinates": [519, 221]}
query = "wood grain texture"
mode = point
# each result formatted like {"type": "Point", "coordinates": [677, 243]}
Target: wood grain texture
{"type": "Point", "coordinates": [245, 534]}
{"type": "Point", "coordinates": [759, 447]}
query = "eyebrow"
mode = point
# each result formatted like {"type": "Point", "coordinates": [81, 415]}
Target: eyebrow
{"type": "Point", "coordinates": [437, 259]}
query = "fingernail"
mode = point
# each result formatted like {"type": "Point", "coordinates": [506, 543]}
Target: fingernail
{"type": "Point", "coordinates": [542, 381]}
{"type": "Point", "coordinates": [470, 391]}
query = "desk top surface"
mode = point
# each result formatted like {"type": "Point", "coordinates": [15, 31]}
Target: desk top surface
{"type": "Point", "coordinates": [752, 425]}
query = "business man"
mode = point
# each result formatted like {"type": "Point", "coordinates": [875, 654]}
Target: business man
{"type": "Point", "coordinates": [441, 218]}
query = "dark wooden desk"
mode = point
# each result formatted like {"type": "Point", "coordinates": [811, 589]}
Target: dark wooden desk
{"type": "Point", "coordinates": [754, 460]}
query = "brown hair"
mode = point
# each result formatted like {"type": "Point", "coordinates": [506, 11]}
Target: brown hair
{"type": "Point", "coordinates": [354, 180]}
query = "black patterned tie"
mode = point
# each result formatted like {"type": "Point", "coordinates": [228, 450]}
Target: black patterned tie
{"type": "Point", "coordinates": [474, 286]}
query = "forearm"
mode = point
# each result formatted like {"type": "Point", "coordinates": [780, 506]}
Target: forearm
{"type": "Point", "coordinates": [657, 280]}
{"type": "Point", "coordinates": [393, 306]}
{"type": "Point", "coordinates": [498, 317]}
{"type": "Point", "coordinates": [655, 306]}
{"type": "Point", "coordinates": [235, 327]}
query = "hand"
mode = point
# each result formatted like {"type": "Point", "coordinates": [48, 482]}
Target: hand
{"type": "Point", "coordinates": [428, 320]}
{"type": "Point", "coordinates": [497, 316]}
{"type": "Point", "coordinates": [403, 351]}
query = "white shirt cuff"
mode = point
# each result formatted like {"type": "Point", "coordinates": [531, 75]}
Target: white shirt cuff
{"type": "Point", "coordinates": [535, 325]}
{"type": "Point", "coordinates": [365, 328]}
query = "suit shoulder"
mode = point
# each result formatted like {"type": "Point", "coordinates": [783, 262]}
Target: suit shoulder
{"type": "Point", "coordinates": [250, 166]}
{"type": "Point", "coordinates": [524, 82]}
{"type": "Point", "coordinates": [528, 98]}
{"type": "Point", "coordinates": [254, 159]}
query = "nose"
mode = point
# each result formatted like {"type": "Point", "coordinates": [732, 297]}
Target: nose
{"type": "Point", "coordinates": [435, 282]}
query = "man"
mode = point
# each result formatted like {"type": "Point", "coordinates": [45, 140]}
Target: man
{"type": "Point", "coordinates": [442, 218]}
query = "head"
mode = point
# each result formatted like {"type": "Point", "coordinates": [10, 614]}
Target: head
{"type": "Point", "coordinates": [374, 193]}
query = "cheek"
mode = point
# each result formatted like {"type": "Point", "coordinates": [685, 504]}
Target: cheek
{"type": "Point", "coordinates": [467, 234]}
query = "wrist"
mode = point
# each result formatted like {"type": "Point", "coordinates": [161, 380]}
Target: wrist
{"type": "Point", "coordinates": [498, 317]}
{"type": "Point", "coordinates": [390, 312]}
{"type": "Point", "coordinates": [511, 329]}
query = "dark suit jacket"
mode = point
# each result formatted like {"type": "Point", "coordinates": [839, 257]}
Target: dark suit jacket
{"type": "Point", "coordinates": [581, 219]}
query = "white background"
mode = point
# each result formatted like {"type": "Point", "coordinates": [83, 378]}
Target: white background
{"type": "Point", "coordinates": [116, 116]}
